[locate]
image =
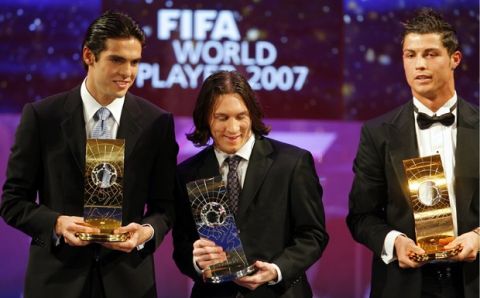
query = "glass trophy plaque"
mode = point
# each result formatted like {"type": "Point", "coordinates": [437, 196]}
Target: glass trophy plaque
{"type": "Point", "coordinates": [215, 221]}
{"type": "Point", "coordinates": [431, 207]}
{"type": "Point", "coordinates": [102, 207]}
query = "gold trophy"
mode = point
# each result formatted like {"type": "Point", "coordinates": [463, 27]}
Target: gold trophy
{"type": "Point", "coordinates": [104, 168]}
{"type": "Point", "coordinates": [431, 207]}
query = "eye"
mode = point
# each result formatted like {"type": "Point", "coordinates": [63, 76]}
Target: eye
{"type": "Point", "coordinates": [117, 60]}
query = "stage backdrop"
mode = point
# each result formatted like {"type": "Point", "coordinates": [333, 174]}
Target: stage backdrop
{"type": "Point", "coordinates": [319, 68]}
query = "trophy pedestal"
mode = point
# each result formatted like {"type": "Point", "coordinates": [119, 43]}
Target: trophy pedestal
{"type": "Point", "coordinates": [103, 237]}
{"type": "Point", "coordinates": [226, 273]}
{"type": "Point", "coordinates": [434, 249]}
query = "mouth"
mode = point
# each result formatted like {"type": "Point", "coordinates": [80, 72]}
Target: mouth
{"type": "Point", "coordinates": [232, 138]}
{"type": "Point", "coordinates": [423, 78]}
{"type": "Point", "coordinates": [122, 84]}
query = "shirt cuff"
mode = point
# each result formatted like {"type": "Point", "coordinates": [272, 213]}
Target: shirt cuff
{"type": "Point", "coordinates": [199, 271]}
{"type": "Point", "coordinates": [56, 239]}
{"type": "Point", "coordinates": [388, 251]}
{"type": "Point", "coordinates": [141, 246]}
{"type": "Point", "coordinates": [279, 276]}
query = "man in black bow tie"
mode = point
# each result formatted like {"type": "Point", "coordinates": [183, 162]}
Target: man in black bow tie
{"type": "Point", "coordinates": [435, 121]}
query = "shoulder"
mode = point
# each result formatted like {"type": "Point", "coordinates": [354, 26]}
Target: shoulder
{"type": "Point", "coordinates": [195, 161]}
{"type": "Point", "coordinates": [389, 117]}
{"type": "Point", "coordinates": [283, 151]}
{"type": "Point", "coordinates": [147, 114]}
{"type": "Point", "coordinates": [145, 105]}
{"type": "Point", "coordinates": [467, 105]}
{"type": "Point", "coordinates": [58, 100]}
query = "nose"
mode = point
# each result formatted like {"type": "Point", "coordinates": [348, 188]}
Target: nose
{"type": "Point", "coordinates": [126, 70]}
{"type": "Point", "coordinates": [232, 125]}
{"type": "Point", "coordinates": [420, 62]}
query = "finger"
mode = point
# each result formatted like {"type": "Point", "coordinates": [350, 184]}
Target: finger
{"type": "Point", "coordinates": [73, 240]}
{"type": "Point", "coordinates": [216, 258]}
{"type": "Point", "coordinates": [208, 250]}
{"type": "Point", "coordinates": [453, 244]}
{"type": "Point", "coordinates": [203, 243]}
{"type": "Point", "coordinates": [130, 228]}
{"type": "Point", "coordinates": [83, 229]}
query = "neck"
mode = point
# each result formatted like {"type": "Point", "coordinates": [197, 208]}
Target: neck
{"type": "Point", "coordinates": [434, 103]}
{"type": "Point", "coordinates": [103, 101]}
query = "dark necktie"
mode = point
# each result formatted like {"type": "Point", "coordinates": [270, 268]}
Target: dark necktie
{"type": "Point", "coordinates": [101, 129]}
{"type": "Point", "coordinates": [424, 121]}
{"type": "Point", "coordinates": [233, 183]}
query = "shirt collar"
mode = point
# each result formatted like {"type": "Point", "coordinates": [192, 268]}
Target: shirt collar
{"type": "Point", "coordinates": [244, 152]}
{"type": "Point", "coordinates": [91, 105]}
{"type": "Point", "coordinates": [443, 110]}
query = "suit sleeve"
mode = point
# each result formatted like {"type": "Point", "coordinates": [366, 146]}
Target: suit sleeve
{"type": "Point", "coordinates": [184, 232]}
{"type": "Point", "coordinates": [368, 197]}
{"type": "Point", "coordinates": [19, 207]}
{"type": "Point", "coordinates": [309, 237]}
{"type": "Point", "coordinates": [160, 213]}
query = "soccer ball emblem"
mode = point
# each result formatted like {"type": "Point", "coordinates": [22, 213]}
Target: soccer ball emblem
{"type": "Point", "coordinates": [104, 175]}
{"type": "Point", "coordinates": [213, 214]}
{"type": "Point", "coordinates": [428, 193]}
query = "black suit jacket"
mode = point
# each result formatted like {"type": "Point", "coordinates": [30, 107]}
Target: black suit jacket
{"type": "Point", "coordinates": [280, 218]}
{"type": "Point", "coordinates": [379, 196]}
{"type": "Point", "coordinates": [48, 158]}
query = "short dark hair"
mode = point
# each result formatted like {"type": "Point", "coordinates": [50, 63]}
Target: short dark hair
{"type": "Point", "coordinates": [426, 20]}
{"type": "Point", "coordinates": [111, 24]}
{"type": "Point", "coordinates": [217, 84]}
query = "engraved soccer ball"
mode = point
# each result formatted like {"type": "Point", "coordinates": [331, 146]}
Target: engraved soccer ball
{"type": "Point", "coordinates": [213, 214]}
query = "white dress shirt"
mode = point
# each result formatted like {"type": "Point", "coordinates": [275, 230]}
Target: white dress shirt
{"type": "Point", "coordinates": [437, 139]}
{"type": "Point", "coordinates": [91, 106]}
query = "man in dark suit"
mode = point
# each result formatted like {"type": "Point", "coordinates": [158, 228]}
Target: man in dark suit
{"type": "Point", "coordinates": [48, 159]}
{"type": "Point", "coordinates": [280, 215]}
{"type": "Point", "coordinates": [380, 216]}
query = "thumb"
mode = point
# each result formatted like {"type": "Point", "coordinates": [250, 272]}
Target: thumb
{"type": "Point", "coordinates": [128, 228]}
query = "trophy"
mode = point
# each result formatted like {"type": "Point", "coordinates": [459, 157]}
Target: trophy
{"type": "Point", "coordinates": [215, 221]}
{"type": "Point", "coordinates": [103, 198]}
{"type": "Point", "coordinates": [431, 207]}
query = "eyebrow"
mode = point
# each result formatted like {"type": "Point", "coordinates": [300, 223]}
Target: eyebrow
{"type": "Point", "coordinates": [225, 114]}
{"type": "Point", "coordinates": [123, 58]}
{"type": "Point", "coordinates": [423, 50]}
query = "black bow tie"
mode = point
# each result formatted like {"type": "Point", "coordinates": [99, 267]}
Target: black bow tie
{"type": "Point", "coordinates": [424, 121]}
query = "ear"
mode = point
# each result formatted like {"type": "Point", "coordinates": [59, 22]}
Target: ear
{"type": "Point", "coordinates": [88, 56]}
{"type": "Point", "coordinates": [455, 59]}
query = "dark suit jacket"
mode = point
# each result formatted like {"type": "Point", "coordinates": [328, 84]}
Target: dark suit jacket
{"type": "Point", "coordinates": [280, 218]}
{"type": "Point", "coordinates": [48, 157]}
{"type": "Point", "coordinates": [379, 196]}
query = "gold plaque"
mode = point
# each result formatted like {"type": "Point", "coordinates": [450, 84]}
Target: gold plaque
{"type": "Point", "coordinates": [102, 209]}
{"type": "Point", "coordinates": [431, 207]}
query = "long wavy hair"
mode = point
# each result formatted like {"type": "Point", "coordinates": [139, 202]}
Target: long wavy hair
{"type": "Point", "coordinates": [217, 84]}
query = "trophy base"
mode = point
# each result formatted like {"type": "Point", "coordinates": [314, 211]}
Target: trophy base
{"type": "Point", "coordinates": [436, 255]}
{"type": "Point", "coordinates": [224, 274]}
{"type": "Point", "coordinates": [103, 237]}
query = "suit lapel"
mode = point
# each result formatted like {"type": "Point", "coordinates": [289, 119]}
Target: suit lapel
{"type": "Point", "coordinates": [73, 127]}
{"type": "Point", "coordinates": [130, 124]}
{"type": "Point", "coordinates": [403, 142]}
{"type": "Point", "coordinates": [258, 167]}
{"type": "Point", "coordinates": [209, 168]}
{"type": "Point", "coordinates": [466, 153]}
